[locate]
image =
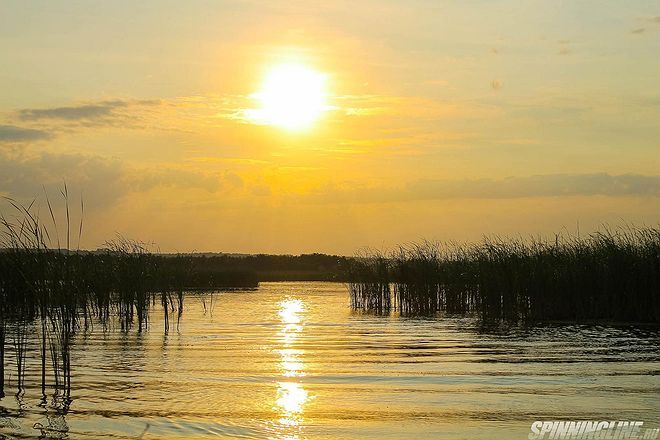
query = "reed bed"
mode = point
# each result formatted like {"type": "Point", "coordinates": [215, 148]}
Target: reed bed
{"type": "Point", "coordinates": [611, 275]}
{"type": "Point", "coordinates": [52, 292]}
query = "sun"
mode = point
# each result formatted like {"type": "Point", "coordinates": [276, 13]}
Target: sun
{"type": "Point", "coordinates": [292, 97]}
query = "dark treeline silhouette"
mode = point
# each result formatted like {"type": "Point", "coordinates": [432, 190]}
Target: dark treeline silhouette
{"type": "Point", "coordinates": [306, 267]}
{"type": "Point", "coordinates": [612, 275]}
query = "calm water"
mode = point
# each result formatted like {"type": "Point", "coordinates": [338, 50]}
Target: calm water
{"type": "Point", "coordinates": [291, 361]}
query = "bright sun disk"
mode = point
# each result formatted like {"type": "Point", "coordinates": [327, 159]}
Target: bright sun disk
{"type": "Point", "coordinates": [292, 96]}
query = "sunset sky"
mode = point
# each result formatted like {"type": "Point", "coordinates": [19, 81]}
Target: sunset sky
{"type": "Point", "coordinates": [432, 119]}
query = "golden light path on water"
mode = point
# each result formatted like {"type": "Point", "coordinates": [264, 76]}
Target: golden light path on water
{"type": "Point", "coordinates": [291, 394]}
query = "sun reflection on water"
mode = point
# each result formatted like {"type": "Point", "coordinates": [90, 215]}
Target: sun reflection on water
{"type": "Point", "coordinates": [291, 400]}
{"type": "Point", "coordinates": [290, 310]}
{"type": "Point", "coordinates": [291, 394]}
{"type": "Point", "coordinates": [291, 363]}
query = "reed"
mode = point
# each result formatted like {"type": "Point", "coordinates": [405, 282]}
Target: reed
{"type": "Point", "coordinates": [610, 275]}
{"type": "Point", "coordinates": [373, 291]}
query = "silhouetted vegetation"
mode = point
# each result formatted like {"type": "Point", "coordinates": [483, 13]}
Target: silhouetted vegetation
{"type": "Point", "coordinates": [55, 292]}
{"type": "Point", "coordinates": [51, 291]}
{"type": "Point", "coordinates": [306, 267]}
{"type": "Point", "coordinates": [613, 275]}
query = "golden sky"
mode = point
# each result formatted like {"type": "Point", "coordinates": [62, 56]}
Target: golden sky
{"type": "Point", "coordinates": [439, 119]}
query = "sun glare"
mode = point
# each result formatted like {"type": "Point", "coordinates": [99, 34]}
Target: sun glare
{"type": "Point", "coordinates": [292, 96]}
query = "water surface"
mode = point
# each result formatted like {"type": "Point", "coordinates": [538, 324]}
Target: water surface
{"type": "Point", "coordinates": [292, 361]}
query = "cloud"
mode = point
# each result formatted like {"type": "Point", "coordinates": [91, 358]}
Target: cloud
{"type": "Point", "coordinates": [24, 176]}
{"type": "Point", "coordinates": [551, 185]}
{"type": "Point", "coordinates": [89, 111]}
{"type": "Point", "coordinates": [102, 180]}
{"type": "Point", "coordinates": [652, 21]}
{"type": "Point", "coordinates": [126, 112]}
{"type": "Point", "coordinates": [13, 134]}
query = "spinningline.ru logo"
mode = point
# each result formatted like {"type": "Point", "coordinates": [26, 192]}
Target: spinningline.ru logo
{"type": "Point", "coordinates": [592, 429]}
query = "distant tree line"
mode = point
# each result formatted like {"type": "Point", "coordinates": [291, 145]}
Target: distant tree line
{"type": "Point", "coordinates": [306, 267]}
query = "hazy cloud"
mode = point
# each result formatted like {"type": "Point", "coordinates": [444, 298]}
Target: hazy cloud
{"type": "Point", "coordinates": [181, 178]}
{"type": "Point", "coordinates": [552, 185]}
{"type": "Point", "coordinates": [542, 186]}
{"type": "Point", "coordinates": [261, 190]}
{"type": "Point", "coordinates": [652, 21]}
{"type": "Point", "coordinates": [24, 176]}
{"type": "Point", "coordinates": [11, 134]}
{"type": "Point", "coordinates": [90, 111]}
{"type": "Point", "coordinates": [91, 114]}
{"type": "Point", "coordinates": [102, 180]}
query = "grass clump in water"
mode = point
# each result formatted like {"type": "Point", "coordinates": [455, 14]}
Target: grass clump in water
{"type": "Point", "coordinates": [610, 275]}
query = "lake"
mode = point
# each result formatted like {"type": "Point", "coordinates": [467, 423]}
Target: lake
{"type": "Point", "coordinates": [293, 361]}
